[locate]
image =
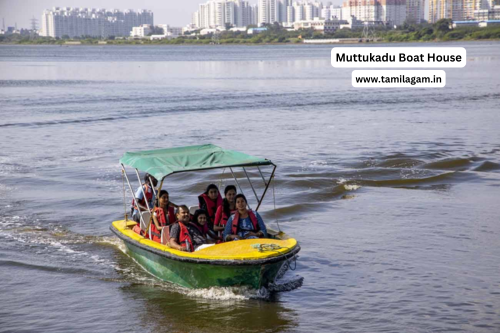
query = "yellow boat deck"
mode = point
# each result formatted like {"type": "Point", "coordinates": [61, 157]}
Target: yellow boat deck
{"type": "Point", "coordinates": [236, 250]}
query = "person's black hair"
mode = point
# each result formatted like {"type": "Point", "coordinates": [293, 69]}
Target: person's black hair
{"type": "Point", "coordinates": [226, 205]}
{"type": "Point", "coordinates": [241, 195]}
{"type": "Point", "coordinates": [211, 186]}
{"type": "Point", "coordinates": [153, 179]}
{"type": "Point", "coordinates": [199, 212]}
{"type": "Point", "coordinates": [228, 188]}
{"type": "Point", "coordinates": [183, 207]}
{"type": "Point", "coordinates": [162, 192]}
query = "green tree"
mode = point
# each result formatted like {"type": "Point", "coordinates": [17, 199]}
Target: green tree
{"type": "Point", "coordinates": [442, 26]}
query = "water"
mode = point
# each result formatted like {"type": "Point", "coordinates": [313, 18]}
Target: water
{"type": "Point", "coordinates": [393, 194]}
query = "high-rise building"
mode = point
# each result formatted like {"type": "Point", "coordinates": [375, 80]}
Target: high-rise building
{"type": "Point", "coordinates": [218, 13]}
{"type": "Point", "coordinates": [386, 11]}
{"type": "Point", "coordinates": [415, 11]}
{"type": "Point", "coordinates": [283, 10]}
{"type": "Point", "coordinates": [299, 12]}
{"type": "Point", "coordinates": [254, 14]}
{"type": "Point", "coordinates": [77, 22]}
{"type": "Point", "coordinates": [290, 14]}
{"type": "Point", "coordinates": [336, 12]}
{"type": "Point", "coordinates": [487, 10]}
{"type": "Point", "coordinates": [268, 12]}
{"type": "Point", "coordinates": [446, 9]}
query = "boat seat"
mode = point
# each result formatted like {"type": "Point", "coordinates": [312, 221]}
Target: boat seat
{"type": "Point", "coordinates": [165, 235]}
{"type": "Point", "coordinates": [193, 209]}
{"type": "Point", "coordinates": [146, 216]}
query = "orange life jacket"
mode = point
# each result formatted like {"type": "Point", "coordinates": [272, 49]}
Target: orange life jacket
{"type": "Point", "coordinates": [236, 219]}
{"type": "Point", "coordinates": [185, 237]}
{"type": "Point", "coordinates": [211, 206]}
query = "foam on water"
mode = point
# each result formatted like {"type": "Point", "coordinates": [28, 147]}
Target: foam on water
{"type": "Point", "coordinates": [352, 187]}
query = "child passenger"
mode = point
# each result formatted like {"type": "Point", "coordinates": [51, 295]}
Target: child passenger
{"type": "Point", "coordinates": [227, 209]}
{"type": "Point", "coordinates": [186, 235]}
{"type": "Point", "coordinates": [210, 201]}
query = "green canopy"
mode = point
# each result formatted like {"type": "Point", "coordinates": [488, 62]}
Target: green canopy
{"type": "Point", "coordinates": [163, 162]}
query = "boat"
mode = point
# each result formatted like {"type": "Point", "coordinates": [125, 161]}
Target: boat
{"type": "Point", "coordinates": [255, 263]}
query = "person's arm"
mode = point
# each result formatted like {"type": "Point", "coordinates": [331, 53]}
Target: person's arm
{"type": "Point", "coordinates": [212, 234]}
{"type": "Point", "coordinates": [218, 218]}
{"type": "Point", "coordinates": [262, 226]}
{"type": "Point", "coordinates": [174, 234]}
{"type": "Point", "coordinates": [173, 205]}
{"type": "Point", "coordinates": [227, 236]}
{"type": "Point", "coordinates": [155, 221]}
{"type": "Point", "coordinates": [262, 233]}
{"type": "Point", "coordinates": [173, 244]}
{"type": "Point", "coordinates": [138, 197]}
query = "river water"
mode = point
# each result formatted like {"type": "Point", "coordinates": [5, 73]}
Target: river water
{"type": "Point", "coordinates": [393, 194]}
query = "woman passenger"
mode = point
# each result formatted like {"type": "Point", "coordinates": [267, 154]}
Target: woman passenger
{"type": "Point", "coordinates": [244, 224]}
{"type": "Point", "coordinates": [163, 216]}
{"type": "Point", "coordinates": [227, 209]}
{"type": "Point", "coordinates": [210, 200]}
{"type": "Point", "coordinates": [200, 219]}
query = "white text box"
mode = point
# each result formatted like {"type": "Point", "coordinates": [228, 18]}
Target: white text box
{"type": "Point", "coordinates": [398, 57]}
{"type": "Point", "coordinates": [398, 78]}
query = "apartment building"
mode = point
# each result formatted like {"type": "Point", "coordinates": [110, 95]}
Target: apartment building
{"type": "Point", "coordinates": [77, 22]}
{"type": "Point", "coordinates": [386, 11]}
{"type": "Point", "coordinates": [218, 13]}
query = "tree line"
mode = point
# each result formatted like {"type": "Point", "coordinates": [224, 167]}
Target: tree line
{"type": "Point", "coordinates": [276, 34]}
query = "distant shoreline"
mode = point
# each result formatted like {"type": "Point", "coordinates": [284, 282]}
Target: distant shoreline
{"type": "Point", "coordinates": [251, 44]}
{"type": "Point", "coordinates": [441, 31]}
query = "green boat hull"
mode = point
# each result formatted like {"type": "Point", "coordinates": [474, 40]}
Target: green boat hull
{"type": "Point", "coordinates": [200, 275]}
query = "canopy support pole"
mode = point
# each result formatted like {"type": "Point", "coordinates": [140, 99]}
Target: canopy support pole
{"type": "Point", "coordinates": [154, 204]}
{"type": "Point", "coordinates": [263, 179]}
{"type": "Point", "coordinates": [237, 183]}
{"type": "Point", "coordinates": [145, 200]}
{"type": "Point", "coordinates": [129, 186]}
{"type": "Point", "coordinates": [251, 185]}
{"type": "Point", "coordinates": [267, 186]}
{"type": "Point", "coordinates": [152, 186]}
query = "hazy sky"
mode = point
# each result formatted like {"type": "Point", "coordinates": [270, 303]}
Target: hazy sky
{"type": "Point", "coordinates": [176, 13]}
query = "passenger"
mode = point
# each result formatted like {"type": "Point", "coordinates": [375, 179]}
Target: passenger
{"type": "Point", "coordinates": [163, 215]}
{"type": "Point", "coordinates": [147, 186]}
{"type": "Point", "coordinates": [200, 219]}
{"type": "Point", "coordinates": [244, 224]}
{"type": "Point", "coordinates": [227, 209]}
{"type": "Point", "coordinates": [185, 235]}
{"type": "Point", "coordinates": [210, 201]}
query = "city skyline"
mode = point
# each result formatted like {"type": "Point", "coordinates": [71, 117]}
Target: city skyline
{"type": "Point", "coordinates": [165, 11]}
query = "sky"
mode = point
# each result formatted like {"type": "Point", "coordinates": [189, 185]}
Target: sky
{"type": "Point", "coordinates": [173, 12]}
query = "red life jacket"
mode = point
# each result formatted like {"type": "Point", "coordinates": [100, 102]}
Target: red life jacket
{"type": "Point", "coordinates": [211, 206]}
{"type": "Point", "coordinates": [221, 217]}
{"type": "Point", "coordinates": [202, 229]}
{"type": "Point", "coordinates": [185, 236]}
{"type": "Point", "coordinates": [236, 219]}
{"type": "Point", "coordinates": [160, 216]}
{"type": "Point", "coordinates": [149, 196]}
